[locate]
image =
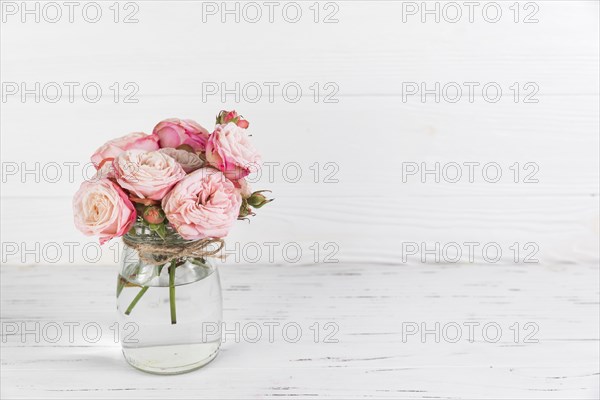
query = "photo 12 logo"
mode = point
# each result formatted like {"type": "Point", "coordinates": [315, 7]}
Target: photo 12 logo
{"type": "Point", "coordinates": [470, 92]}
{"type": "Point", "coordinates": [470, 331]}
{"type": "Point", "coordinates": [470, 172]}
{"type": "Point", "coordinates": [253, 12]}
{"type": "Point", "coordinates": [470, 252]}
{"type": "Point", "coordinates": [271, 331]}
{"type": "Point", "coordinates": [270, 92]}
{"type": "Point", "coordinates": [70, 92]}
{"type": "Point", "coordinates": [453, 12]}
{"type": "Point", "coordinates": [67, 332]}
{"type": "Point", "coordinates": [53, 12]}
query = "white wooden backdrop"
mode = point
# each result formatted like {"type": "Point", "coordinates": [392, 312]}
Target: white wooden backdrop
{"type": "Point", "coordinates": [371, 129]}
{"type": "Point", "coordinates": [369, 53]}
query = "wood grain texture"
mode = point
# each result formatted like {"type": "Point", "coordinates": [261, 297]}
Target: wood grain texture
{"type": "Point", "coordinates": [368, 209]}
{"type": "Point", "coordinates": [171, 51]}
{"type": "Point", "coordinates": [368, 303]}
{"type": "Point", "coordinates": [560, 138]}
{"type": "Point", "coordinates": [564, 228]}
{"type": "Point", "coordinates": [368, 212]}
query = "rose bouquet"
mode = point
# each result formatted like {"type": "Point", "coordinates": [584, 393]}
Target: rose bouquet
{"type": "Point", "coordinates": [180, 176]}
{"type": "Point", "coordinates": [181, 180]}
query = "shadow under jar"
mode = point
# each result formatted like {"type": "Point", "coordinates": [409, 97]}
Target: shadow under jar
{"type": "Point", "coordinates": [169, 313]}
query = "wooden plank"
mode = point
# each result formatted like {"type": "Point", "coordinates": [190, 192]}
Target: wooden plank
{"type": "Point", "coordinates": [357, 151]}
{"type": "Point", "coordinates": [172, 51]}
{"type": "Point", "coordinates": [383, 230]}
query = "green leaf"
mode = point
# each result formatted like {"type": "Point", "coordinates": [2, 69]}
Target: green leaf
{"type": "Point", "coordinates": [162, 231]}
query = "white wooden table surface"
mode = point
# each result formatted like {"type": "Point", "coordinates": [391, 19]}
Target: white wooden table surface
{"type": "Point", "coordinates": [170, 54]}
{"type": "Point", "coordinates": [371, 305]}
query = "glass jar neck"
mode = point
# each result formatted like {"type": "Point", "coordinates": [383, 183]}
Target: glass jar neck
{"type": "Point", "coordinates": [141, 233]}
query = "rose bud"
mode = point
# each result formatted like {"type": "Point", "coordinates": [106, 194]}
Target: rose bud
{"type": "Point", "coordinates": [225, 117]}
{"type": "Point", "coordinates": [154, 215]}
{"type": "Point", "coordinates": [230, 116]}
{"type": "Point", "coordinates": [257, 200]}
{"type": "Point", "coordinates": [242, 123]}
{"type": "Point", "coordinates": [244, 210]}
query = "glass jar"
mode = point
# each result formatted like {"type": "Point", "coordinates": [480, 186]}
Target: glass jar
{"type": "Point", "coordinates": [169, 313]}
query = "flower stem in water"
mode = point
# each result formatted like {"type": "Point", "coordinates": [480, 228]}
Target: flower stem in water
{"type": "Point", "coordinates": [136, 299]}
{"type": "Point", "coordinates": [172, 292]}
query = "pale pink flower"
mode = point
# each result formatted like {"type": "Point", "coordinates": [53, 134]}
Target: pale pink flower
{"type": "Point", "coordinates": [105, 170]}
{"type": "Point", "coordinates": [203, 204]}
{"type": "Point", "coordinates": [244, 187]}
{"type": "Point", "coordinates": [189, 161]}
{"type": "Point", "coordinates": [101, 208]}
{"type": "Point", "coordinates": [229, 149]}
{"type": "Point", "coordinates": [111, 149]}
{"type": "Point", "coordinates": [174, 132]}
{"type": "Point", "coordinates": [148, 175]}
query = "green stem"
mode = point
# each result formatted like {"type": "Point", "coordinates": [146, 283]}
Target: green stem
{"type": "Point", "coordinates": [172, 291]}
{"type": "Point", "coordinates": [136, 299]}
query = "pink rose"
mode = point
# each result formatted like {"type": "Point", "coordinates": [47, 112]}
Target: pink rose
{"type": "Point", "coordinates": [147, 174]}
{"type": "Point", "coordinates": [203, 204]}
{"type": "Point", "coordinates": [105, 170]}
{"type": "Point", "coordinates": [243, 187]}
{"type": "Point", "coordinates": [232, 116]}
{"type": "Point", "coordinates": [113, 148]}
{"type": "Point", "coordinates": [102, 208]}
{"type": "Point", "coordinates": [229, 149]}
{"type": "Point", "coordinates": [174, 132]}
{"type": "Point", "coordinates": [188, 161]}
